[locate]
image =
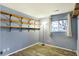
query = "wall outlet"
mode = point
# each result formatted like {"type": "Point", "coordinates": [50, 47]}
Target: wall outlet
{"type": "Point", "coordinates": [4, 50]}
{"type": "Point", "coordinates": [8, 49]}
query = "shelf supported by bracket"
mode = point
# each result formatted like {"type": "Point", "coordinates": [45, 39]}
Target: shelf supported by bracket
{"type": "Point", "coordinates": [21, 23]}
{"type": "Point", "coordinates": [28, 25]}
{"type": "Point", "coordinates": [9, 27]}
{"type": "Point", "coordinates": [34, 25]}
{"type": "Point", "coordinates": [10, 23]}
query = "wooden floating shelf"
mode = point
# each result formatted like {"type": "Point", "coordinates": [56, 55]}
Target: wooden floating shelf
{"type": "Point", "coordinates": [10, 27]}
{"type": "Point", "coordinates": [17, 21]}
{"type": "Point", "coordinates": [18, 27]}
{"type": "Point", "coordinates": [76, 10]}
{"type": "Point", "coordinates": [20, 21]}
{"type": "Point", "coordinates": [14, 21]}
{"type": "Point", "coordinates": [2, 12]}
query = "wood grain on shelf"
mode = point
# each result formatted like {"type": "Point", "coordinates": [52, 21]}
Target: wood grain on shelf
{"type": "Point", "coordinates": [19, 27]}
{"type": "Point", "coordinates": [10, 27]}
{"type": "Point", "coordinates": [2, 12]}
{"type": "Point", "coordinates": [17, 21]}
{"type": "Point", "coordinates": [4, 20]}
{"type": "Point", "coordinates": [76, 10]}
{"type": "Point", "coordinates": [14, 21]}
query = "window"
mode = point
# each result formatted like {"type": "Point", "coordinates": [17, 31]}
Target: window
{"type": "Point", "coordinates": [59, 26]}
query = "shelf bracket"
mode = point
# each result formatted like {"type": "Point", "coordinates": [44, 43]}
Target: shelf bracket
{"type": "Point", "coordinates": [10, 23]}
{"type": "Point", "coordinates": [28, 25]}
{"type": "Point", "coordinates": [21, 23]}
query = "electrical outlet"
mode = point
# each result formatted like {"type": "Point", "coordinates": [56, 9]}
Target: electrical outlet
{"type": "Point", "coordinates": [8, 49]}
{"type": "Point", "coordinates": [4, 50]}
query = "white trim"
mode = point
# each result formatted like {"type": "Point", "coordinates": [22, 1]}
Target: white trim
{"type": "Point", "coordinates": [59, 47]}
{"type": "Point", "coordinates": [41, 43]}
{"type": "Point", "coordinates": [22, 49]}
{"type": "Point", "coordinates": [77, 53]}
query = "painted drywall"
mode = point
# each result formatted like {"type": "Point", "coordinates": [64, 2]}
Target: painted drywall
{"type": "Point", "coordinates": [15, 40]}
{"type": "Point", "coordinates": [59, 38]}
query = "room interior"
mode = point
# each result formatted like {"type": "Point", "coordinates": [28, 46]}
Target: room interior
{"type": "Point", "coordinates": [39, 29]}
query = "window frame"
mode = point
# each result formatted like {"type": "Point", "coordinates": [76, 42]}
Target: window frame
{"type": "Point", "coordinates": [59, 26]}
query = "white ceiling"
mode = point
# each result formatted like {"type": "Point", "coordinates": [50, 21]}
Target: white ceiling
{"type": "Point", "coordinates": [40, 10]}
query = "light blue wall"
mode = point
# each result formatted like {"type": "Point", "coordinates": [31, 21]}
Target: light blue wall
{"type": "Point", "coordinates": [62, 16]}
{"type": "Point", "coordinates": [59, 38]}
{"type": "Point", "coordinates": [16, 39]}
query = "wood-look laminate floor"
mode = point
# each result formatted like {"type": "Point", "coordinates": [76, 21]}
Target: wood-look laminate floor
{"type": "Point", "coordinates": [39, 50]}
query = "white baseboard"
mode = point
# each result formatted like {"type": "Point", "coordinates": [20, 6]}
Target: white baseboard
{"type": "Point", "coordinates": [77, 53]}
{"type": "Point", "coordinates": [59, 47]}
{"type": "Point", "coordinates": [41, 43]}
{"type": "Point", "coordinates": [21, 49]}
